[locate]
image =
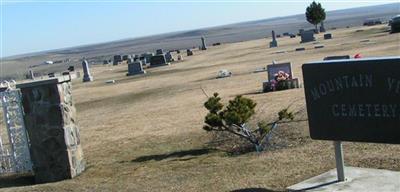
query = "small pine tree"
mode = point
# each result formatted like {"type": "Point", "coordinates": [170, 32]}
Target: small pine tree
{"type": "Point", "coordinates": [234, 116]}
{"type": "Point", "coordinates": [315, 14]}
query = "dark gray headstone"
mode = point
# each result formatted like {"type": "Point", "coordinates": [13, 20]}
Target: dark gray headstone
{"type": "Point", "coordinates": [158, 60]}
{"type": "Point", "coordinates": [307, 36]}
{"type": "Point", "coordinates": [117, 59]}
{"type": "Point", "coordinates": [168, 57]}
{"type": "Point", "coordinates": [337, 57]}
{"type": "Point", "coordinates": [318, 46]}
{"type": "Point", "coordinates": [273, 43]}
{"type": "Point", "coordinates": [86, 72]}
{"type": "Point", "coordinates": [395, 24]}
{"type": "Point", "coordinates": [300, 49]}
{"type": "Point", "coordinates": [125, 57]}
{"type": "Point", "coordinates": [328, 36]}
{"type": "Point", "coordinates": [135, 68]}
{"type": "Point", "coordinates": [147, 55]}
{"type": "Point", "coordinates": [354, 99]}
{"type": "Point", "coordinates": [159, 52]}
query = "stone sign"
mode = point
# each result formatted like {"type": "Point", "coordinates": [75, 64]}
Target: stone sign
{"type": "Point", "coordinates": [354, 99]}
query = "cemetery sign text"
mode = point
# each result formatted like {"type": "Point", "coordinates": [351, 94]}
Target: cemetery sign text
{"type": "Point", "coordinates": [354, 99]}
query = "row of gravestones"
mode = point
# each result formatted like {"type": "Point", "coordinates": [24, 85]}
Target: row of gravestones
{"type": "Point", "coordinates": [136, 62]}
{"type": "Point", "coordinates": [159, 59]}
{"type": "Point", "coordinates": [306, 36]}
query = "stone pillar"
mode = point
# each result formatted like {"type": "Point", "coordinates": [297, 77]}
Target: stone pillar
{"type": "Point", "coordinates": [86, 72]}
{"type": "Point", "coordinates": [203, 44]}
{"type": "Point", "coordinates": [50, 121]}
{"type": "Point", "coordinates": [273, 43]}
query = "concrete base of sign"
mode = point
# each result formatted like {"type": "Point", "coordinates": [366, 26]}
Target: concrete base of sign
{"type": "Point", "coordinates": [357, 179]}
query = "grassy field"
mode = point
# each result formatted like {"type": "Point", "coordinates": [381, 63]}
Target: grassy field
{"type": "Point", "coordinates": [144, 133]}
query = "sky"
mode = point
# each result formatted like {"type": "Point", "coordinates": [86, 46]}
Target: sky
{"type": "Point", "coordinates": [38, 25]}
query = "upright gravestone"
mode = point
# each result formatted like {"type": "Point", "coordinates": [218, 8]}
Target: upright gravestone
{"type": "Point", "coordinates": [86, 72]}
{"type": "Point", "coordinates": [273, 43]}
{"type": "Point", "coordinates": [135, 68]}
{"type": "Point", "coordinates": [307, 36]}
{"type": "Point", "coordinates": [126, 57]}
{"type": "Point", "coordinates": [180, 57]}
{"type": "Point", "coordinates": [189, 52]}
{"type": "Point", "coordinates": [117, 59]}
{"type": "Point", "coordinates": [322, 28]}
{"type": "Point", "coordinates": [158, 60]}
{"type": "Point", "coordinates": [143, 60]}
{"type": "Point", "coordinates": [203, 44]}
{"type": "Point", "coordinates": [147, 56]}
{"type": "Point", "coordinates": [50, 121]}
{"type": "Point", "coordinates": [328, 36]}
{"type": "Point", "coordinates": [168, 57]}
{"type": "Point", "coordinates": [131, 60]}
{"type": "Point", "coordinates": [159, 52]}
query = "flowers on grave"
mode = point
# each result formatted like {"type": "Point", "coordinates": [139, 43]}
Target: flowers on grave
{"type": "Point", "coordinates": [281, 76]}
{"type": "Point", "coordinates": [280, 81]}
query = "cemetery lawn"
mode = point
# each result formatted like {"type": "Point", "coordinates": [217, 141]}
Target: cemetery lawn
{"type": "Point", "coordinates": [144, 133]}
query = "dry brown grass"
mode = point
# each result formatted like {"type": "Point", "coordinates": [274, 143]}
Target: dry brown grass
{"type": "Point", "coordinates": [145, 133]}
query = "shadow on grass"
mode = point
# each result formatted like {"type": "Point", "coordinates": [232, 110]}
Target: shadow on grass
{"type": "Point", "coordinates": [177, 155]}
{"type": "Point", "coordinates": [16, 181]}
{"type": "Point", "coordinates": [254, 190]}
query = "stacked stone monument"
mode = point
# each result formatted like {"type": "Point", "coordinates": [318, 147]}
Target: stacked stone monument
{"type": "Point", "coordinates": [50, 121]}
{"type": "Point", "coordinates": [273, 43]}
{"type": "Point", "coordinates": [86, 72]}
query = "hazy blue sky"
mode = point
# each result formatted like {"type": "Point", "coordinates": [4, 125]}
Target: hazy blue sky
{"type": "Point", "coordinates": [30, 26]}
